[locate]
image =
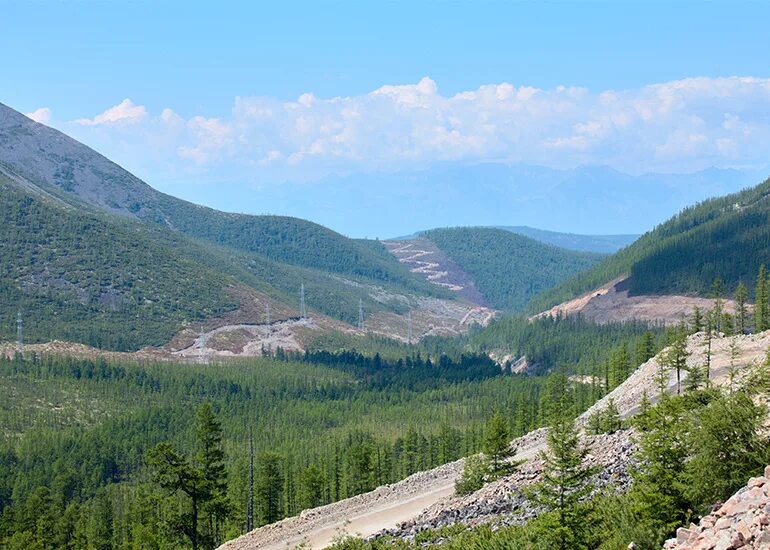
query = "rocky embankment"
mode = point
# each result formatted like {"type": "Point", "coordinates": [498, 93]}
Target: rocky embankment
{"type": "Point", "coordinates": [741, 522]}
{"type": "Point", "coordinates": [504, 502]}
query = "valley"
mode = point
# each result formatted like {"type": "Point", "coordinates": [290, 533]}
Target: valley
{"type": "Point", "coordinates": [426, 500]}
{"type": "Point", "coordinates": [317, 386]}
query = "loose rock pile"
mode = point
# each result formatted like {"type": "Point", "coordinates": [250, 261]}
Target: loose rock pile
{"type": "Point", "coordinates": [504, 502]}
{"type": "Point", "coordinates": [742, 522]}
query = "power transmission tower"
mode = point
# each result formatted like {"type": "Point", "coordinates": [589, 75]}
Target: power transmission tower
{"type": "Point", "coordinates": [409, 327]}
{"type": "Point", "coordinates": [360, 314]}
{"type": "Point", "coordinates": [267, 313]}
{"type": "Point", "coordinates": [250, 503]}
{"type": "Point", "coordinates": [302, 309]}
{"type": "Point", "coordinates": [19, 334]}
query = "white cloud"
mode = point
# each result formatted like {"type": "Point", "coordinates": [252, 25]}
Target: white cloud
{"type": "Point", "coordinates": [41, 115]}
{"type": "Point", "coordinates": [125, 111]}
{"type": "Point", "coordinates": [673, 126]}
{"type": "Point", "coordinates": [210, 135]}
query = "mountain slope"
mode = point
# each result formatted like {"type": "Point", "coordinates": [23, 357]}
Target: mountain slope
{"type": "Point", "coordinates": [508, 269]}
{"type": "Point", "coordinates": [727, 237]}
{"type": "Point", "coordinates": [78, 277]}
{"type": "Point", "coordinates": [46, 161]}
{"type": "Point", "coordinates": [93, 254]}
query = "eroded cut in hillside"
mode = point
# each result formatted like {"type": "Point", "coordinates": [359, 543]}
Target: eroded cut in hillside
{"type": "Point", "coordinates": [424, 258]}
{"type": "Point", "coordinates": [613, 303]}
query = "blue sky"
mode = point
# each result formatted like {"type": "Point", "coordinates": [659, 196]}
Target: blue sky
{"type": "Point", "coordinates": [197, 56]}
{"type": "Point", "coordinates": [245, 95]}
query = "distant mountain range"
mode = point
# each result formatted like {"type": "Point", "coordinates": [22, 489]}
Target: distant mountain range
{"type": "Point", "coordinates": [593, 200]}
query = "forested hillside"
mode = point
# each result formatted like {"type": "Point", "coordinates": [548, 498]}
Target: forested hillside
{"type": "Point", "coordinates": [36, 156]}
{"type": "Point", "coordinates": [727, 237]}
{"type": "Point", "coordinates": [509, 269]}
{"type": "Point", "coordinates": [114, 283]}
{"type": "Point", "coordinates": [76, 276]}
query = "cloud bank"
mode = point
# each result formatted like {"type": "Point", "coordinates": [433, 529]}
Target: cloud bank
{"type": "Point", "coordinates": [682, 125]}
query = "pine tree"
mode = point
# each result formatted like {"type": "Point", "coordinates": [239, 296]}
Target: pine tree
{"type": "Point", "coordinates": [497, 446]}
{"type": "Point", "coordinates": [696, 320]}
{"type": "Point", "coordinates": [174, 472]}
{"type": "Point", "coordinates": [269, 487]}
{"type": "Point", "coordinates": [717, 294]}
{"type": "Point", "coordinates": [760, 301]}
{"type": "Point", "coordinates": [645, 349]}
{"type": "Point", "coordinates": [741, 297]}
{"type": "Point", "coordinates": [211, 459]}
{"type": "Point", "coordinates": [565, 480]}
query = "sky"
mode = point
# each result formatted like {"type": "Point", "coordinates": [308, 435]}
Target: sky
{"type": "Point", "coordinates": [194, 97]}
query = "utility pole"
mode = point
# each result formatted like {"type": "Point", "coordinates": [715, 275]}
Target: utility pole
{"type": "Point", "coordinates": [250, 503]}
{"type": "Point", "coordinates": [360, 314]}
{"type": "Point", "coordinates": [19, 334]}
{"type": "Point", "coordinates": [409, 327]}
{"type": "Point", "coordinates": [302, 309]}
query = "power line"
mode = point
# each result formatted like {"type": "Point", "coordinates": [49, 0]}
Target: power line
{"type": "Point", "coordinates": [360, 314]}
{"type": "Point", "coordinates": [302, 309]}
{"type": "Point", "coordinates": [19, 334]}
{"type": "Point", "coordinates": [409, 327]}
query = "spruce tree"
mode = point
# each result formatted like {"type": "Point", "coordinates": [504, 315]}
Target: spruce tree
{"type": "Point", "coordinates": [211, 460]}
{"type": "Point", "coordinates": [645, 349]}
{"type": "Point", "coordinates": [173, 472]}
{"type": "Point", "coordinates": [760, 301]}
{"type": "Point", "coordinates": [565, 480]}
{"type": "Point", "coordinates": [497, 446]}
{"type": "Point", "coordinates": [741, 297]}
{"type": "Point", "coordinates": [717, 294]}
{"type": "Point", "coordinates": [269, 487]}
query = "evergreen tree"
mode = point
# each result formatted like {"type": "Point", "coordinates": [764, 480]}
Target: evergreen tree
{"type": "Point", "coordinates": [676, 356]}
{"type": "Point", "coordinates": [696, 320]}
{"type": "Point", "coordinates": [211, 459]}
{"type": "Point", "coordinates": [717, 294]}
{"type": "Point", "coordinates": [761, 320]}
{"type": "Point", "coordinates": [269, 487]}
{"type": "Point", "coordinates": [726, 449]}
{"type": "Point", "coordinates": [497, 446]}
{"type": "Point", "coordinates": [311, 487]}
{"type": "Point", "coordinates": [657, 496]}
{"type": "Point", "coordinates": [565, 481]}
{"type": "Point", "coordinates": [174, 472]}
{"type": "Point", "coordinates": [741, 297]}
{"type": "Point", "coordinates": [645, 349]}
{"type": "Point", "coordinates": [473, 477]}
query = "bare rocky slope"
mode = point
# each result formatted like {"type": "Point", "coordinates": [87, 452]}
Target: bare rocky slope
{"type": "Point", "coordinates": [612, 303]}
{"type": "Point", "coordinates": [426, 500]}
